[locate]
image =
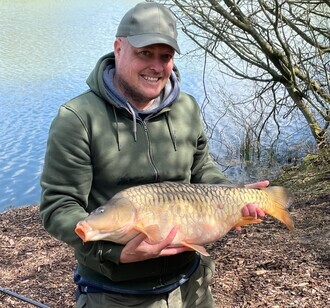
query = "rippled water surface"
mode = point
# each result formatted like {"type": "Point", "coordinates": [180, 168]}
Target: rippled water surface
{"type": "Point", "coordinates": [47, 49]}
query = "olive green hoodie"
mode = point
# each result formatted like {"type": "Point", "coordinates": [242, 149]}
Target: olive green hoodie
{"type": "Point", "coordinates": [96, 148]}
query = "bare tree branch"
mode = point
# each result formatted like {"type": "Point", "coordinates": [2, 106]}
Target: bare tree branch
{"type": "Point", "coordinates": [283, 43]}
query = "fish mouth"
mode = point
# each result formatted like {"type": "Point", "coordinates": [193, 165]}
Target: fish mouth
{"type": "Point", "coordinates": [82, 230]}
{"type": "Point", "coordinates": [87, 233]}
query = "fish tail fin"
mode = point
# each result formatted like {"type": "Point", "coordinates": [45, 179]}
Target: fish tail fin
{"type": "Point", "coordinates": [281, 200]}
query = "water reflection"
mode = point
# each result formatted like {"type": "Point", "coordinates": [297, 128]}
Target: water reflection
{"type": "Point", "coordinates": [47, 49]}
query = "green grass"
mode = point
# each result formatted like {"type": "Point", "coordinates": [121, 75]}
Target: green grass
{"type": "Point", "coordinates": [311, 176]}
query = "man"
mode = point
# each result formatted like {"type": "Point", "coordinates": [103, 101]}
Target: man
{"type": "Point", "coordinates": [134, 126]}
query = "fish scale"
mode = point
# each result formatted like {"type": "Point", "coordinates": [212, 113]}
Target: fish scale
{"type": "Point", "coordinates": [203, 212]}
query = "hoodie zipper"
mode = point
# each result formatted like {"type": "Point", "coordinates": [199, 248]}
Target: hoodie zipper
{"type": "Point", "coordinates": [152, 163]}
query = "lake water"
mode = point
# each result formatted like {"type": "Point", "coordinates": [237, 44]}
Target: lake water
{"type": "Point", "coordinates": [47, 50]}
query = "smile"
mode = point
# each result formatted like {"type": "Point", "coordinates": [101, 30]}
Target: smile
{"type": "Point", "coordinates": [153, 79]}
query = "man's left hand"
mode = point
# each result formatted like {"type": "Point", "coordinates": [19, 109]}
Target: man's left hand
{"type": "Point", "coordinates": [252, 209]}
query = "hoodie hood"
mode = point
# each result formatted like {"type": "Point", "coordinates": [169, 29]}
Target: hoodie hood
{"type": "Point", "coordinates": [100, 81]}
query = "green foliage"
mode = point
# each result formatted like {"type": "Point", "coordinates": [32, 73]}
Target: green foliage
{"type": "Point", "coordinates": [312, 175]}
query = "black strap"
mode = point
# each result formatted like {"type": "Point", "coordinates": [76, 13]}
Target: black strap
{"type": "Point", "coordinates": [86, 286]}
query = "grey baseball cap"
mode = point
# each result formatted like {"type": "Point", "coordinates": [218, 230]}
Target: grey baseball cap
{"type": "Point", "coordinates": [149, 23]}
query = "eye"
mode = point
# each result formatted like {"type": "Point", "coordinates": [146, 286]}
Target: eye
{"type": "Point", "coordinates": [99, 210]}
{"type": "Point", "coordinates": [167, 57]}
{"type": "Point", "coordinates": [145, 53]}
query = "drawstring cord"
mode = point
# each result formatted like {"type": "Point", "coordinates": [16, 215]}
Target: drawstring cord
{"type": "Point", "coordinates": [168, 121]}
{"type": "Point", "coordinates": [171, 130]}
{"type": "Point", "coordinates": [117, 127]}
{"type": "Point", "coordinates": [134, 119]}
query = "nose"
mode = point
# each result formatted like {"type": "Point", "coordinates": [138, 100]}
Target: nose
{"type": "Point", "coordinates": [156, 64]}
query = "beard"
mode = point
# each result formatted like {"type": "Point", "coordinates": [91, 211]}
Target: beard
{"type": "Point", "coordinates": [133, 94]}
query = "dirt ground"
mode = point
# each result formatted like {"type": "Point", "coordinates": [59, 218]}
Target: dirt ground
{"type": "Point", "coordinates": [264, 265]}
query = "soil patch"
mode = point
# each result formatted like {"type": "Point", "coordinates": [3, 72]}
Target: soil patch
{"type": "Point", "coordinates": [264, 265]}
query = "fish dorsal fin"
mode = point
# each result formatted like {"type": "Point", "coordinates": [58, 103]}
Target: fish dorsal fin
{"type": "Point", "coordinates": [197, 248]}
{"type": "Point", "coordinates": [247, 221]}
{"type": "Point", "coordinates": [152, 232]}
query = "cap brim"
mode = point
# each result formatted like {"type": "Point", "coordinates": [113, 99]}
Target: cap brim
{"type": "Point", "coordinates": [143, 40]}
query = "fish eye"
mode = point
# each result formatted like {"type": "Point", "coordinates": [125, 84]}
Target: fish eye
{"type": "Point", "coordinates": [99, 210]}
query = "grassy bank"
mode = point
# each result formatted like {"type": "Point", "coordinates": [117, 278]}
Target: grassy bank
{"type": "Point", "coordinates": [311, 178]}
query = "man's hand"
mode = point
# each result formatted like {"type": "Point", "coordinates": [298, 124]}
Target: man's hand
{"type": "Point", "coordinates": [138, 249]}
{"type": "Point", "coordinates": [252, 209]}
{"type": "Point", "coordinates": [257, 185]}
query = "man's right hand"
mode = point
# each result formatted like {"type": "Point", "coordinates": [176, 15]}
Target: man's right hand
{"type": "Point", "coordinates": [138, 249]}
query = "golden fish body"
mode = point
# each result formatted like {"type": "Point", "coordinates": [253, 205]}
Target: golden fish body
{"type": "Point", "coordinates": [203, 212]}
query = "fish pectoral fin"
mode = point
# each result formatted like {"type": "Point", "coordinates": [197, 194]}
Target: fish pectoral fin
{"type": "Point", "coordinates": [152, 232]}
{"type": "Point", "coordinates": [247, 221]}
{"type": "Point", "coordinates": [197, 248]}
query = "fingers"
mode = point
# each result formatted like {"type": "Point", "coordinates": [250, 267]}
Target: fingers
{"type": "Point", "coordinates": [139, 249]}
{"type": "Point", "coordinates": [168, 251]}
{"type": "Point", "coordinates": [174, 250]}
{"type": "Point", "coordinates": [258, 185]}
{"type": "Point", "coordinates": [136, 241]}
{"type": "Point", "coordinates": [169, 239]}
{"type": "Point", "coordinates": [252, 210]}
{"type": "Point", "coordinates": [245, 211]}
{"type": "Point", "coordinates": [260, 212]}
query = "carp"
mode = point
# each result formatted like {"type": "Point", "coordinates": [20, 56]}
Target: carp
{"type": "Point", "coordinates": [203, 212]}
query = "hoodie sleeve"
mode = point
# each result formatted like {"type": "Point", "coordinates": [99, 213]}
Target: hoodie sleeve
{"type": "Point", "coordinates": [66, 182]}
{"type": "Point", "coordinates": [204, 169]}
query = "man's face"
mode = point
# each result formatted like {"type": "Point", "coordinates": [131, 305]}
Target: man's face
{"type": "Point", "coordinates": [142, 73]}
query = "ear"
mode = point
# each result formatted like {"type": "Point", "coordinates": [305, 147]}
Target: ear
{"type": "Point", "coordinates": [117, 46]}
